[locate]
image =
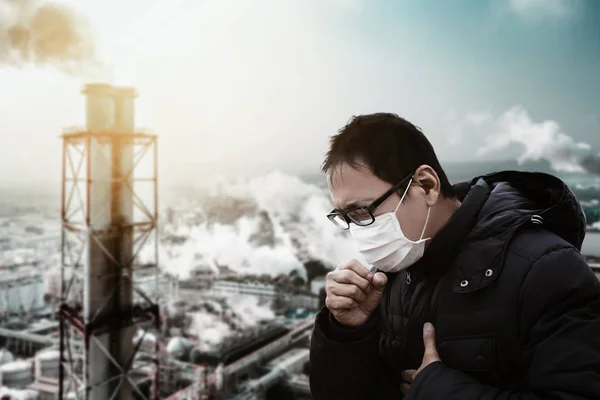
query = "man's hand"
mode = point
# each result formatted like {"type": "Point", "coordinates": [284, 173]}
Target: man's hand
{"type": "Point", "coordinates": [353, 293]}
{"type": "Point", "coordinates": [431, 355]}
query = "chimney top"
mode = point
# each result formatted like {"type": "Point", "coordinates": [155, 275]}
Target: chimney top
{"type": "Point", "coordinates": [107, 89]}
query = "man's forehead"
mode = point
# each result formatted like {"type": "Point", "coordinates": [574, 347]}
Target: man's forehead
{"type": "Point", "coordinates": [345, 174]}
{"type": "Point", "coordinates": [349, 186]}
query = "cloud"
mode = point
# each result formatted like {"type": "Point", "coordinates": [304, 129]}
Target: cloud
{"type": "Point", "coordinates": [479, 118]}
{"type": "Point", "coordinates": [458, 127]}
{"type": "Point", "coordinates": [454, 128]}
{"type": "Point", "coordinates": [541, 8]}
{"type": "Point", "coordinates": [538, 140]}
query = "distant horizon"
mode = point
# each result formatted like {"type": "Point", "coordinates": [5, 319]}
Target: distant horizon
{"type": "Point", "coordinates": [454, 168]}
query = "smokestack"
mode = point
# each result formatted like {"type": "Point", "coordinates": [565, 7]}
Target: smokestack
{"type": "Point", "coordinates": [110, 109]}
{"type": "Point", "coordinates": [32, 32]}
{"type": "Point", "coordinates": [100, 304]}
{"type": "Point", "coordinates": [543, 140]}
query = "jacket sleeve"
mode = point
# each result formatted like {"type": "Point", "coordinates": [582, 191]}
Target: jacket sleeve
{"type": "Point", "coordinates": [560, 327]}
{"type": "Point", "coordinates": [344, 363]}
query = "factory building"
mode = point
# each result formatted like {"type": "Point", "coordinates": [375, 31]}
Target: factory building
{"type": "Point", "coordinates": [305, 301]}
{"type": "Point", "coordinates": [155, 286]}
{"type": "Point", "coordinates": [236, 369]}
{"type": "Point", "coordinates": [226, 288]}
{"type": "Point", "coordinates": [21, 290]}
{"type": "Point", "coordinates": [229, 288]}
{"type": "Point", "coordinates": [286, 366]}
{"type": "Point", "coordinates": [202, 277]}
{"type": "Point", "coordinates": [46, 367]}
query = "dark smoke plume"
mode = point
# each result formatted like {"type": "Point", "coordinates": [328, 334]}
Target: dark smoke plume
{"type": "Point", "coordinates": [591, 163]}
{"type": "Point", "coordinates": [45, 33]}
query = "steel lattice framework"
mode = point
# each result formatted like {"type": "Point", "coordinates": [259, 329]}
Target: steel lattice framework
{"type": "Point", "coordinates": [100, 306]}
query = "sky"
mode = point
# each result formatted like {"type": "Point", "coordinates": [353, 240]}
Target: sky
{"type": "Point", "coordinates": [245, 87]}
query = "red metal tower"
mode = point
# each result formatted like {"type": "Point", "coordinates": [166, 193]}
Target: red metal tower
{"type": "Point", "coordinates": [106, 221]}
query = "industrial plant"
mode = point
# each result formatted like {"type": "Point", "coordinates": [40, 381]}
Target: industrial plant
{"type": "Point", "coordinates": [104, 322]}
{"type": "Point", "coordinates": [86, 312]}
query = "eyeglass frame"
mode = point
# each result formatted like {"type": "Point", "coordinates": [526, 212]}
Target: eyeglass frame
{"type": "Point", "coordinates": [370, 208]}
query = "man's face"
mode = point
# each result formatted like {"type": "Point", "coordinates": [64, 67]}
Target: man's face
{"type": "Point", "coordinates": [350, 187]}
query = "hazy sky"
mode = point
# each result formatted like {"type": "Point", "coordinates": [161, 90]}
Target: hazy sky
{"type": "Point", "coordinates": [248, 86]}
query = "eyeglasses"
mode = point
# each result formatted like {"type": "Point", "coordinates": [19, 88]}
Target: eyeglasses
{"type": "Point", "coordinates": [363, 215]}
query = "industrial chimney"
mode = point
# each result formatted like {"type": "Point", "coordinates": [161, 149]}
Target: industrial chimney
{"type": "Point", "coordinates": [104, 312]}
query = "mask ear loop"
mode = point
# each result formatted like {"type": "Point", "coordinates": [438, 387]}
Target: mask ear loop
{"type": "Point", "coordinates": [426, 221]}
{"type": "Point", "coordinates": [404, 195]}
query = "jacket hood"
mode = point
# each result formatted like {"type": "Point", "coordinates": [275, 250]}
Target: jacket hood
{"type": "Point", "coordinates": [516, 195]}
{"type": "Point", "coordinates": [501, 204]}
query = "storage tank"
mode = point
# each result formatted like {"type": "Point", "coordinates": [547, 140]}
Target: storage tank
{"type": "Point", "coordinates": [17, 374]}
{"type": "Point", "coordinates": [52, 282]}
{"type": "Point", "coordinates": [21, 292]}
{"type": "Point", "coordinates": [32, 294]}
{"type": "Point", "coordinates": [179, 348]}
{"type": "Point", "coordinates": [148, 341]}
{"type": "Point", "coordinates": [47, 363]}
{"type": "Point", "coordinates": [19, 394]}
{"type": "Point", "coordinates": [6, 357]}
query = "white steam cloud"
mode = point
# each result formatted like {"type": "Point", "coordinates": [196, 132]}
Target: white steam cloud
{"type": "Point", "coordinates": [295, 231]}
{"type": "Point", "coordinates": [539, 140]}
{"type": "Point", "coordinates": [211, 328]}
{"type": "Point", "coordinates": [271, 224]}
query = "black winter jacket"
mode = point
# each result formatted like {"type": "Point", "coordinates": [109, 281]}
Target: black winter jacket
{"type": "Point", "coordinates": [515, 306]}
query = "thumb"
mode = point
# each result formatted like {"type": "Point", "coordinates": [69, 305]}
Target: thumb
{"type": "Point", "coordinates": [429, 341]}
{"type": "Point", "coordinates": [375, 293]}
{"type": "Point", "coordinates": [379, 281]}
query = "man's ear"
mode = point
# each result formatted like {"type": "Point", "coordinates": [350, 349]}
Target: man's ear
{"type": "Point", "coordinates": [427, 179]}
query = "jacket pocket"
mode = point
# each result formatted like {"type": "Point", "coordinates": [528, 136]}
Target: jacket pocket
{"type": "Point", "coordinates": [475, 354]}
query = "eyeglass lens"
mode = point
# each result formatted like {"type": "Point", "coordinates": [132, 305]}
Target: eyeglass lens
{"type": "Point", "coordinates": [361, 216]}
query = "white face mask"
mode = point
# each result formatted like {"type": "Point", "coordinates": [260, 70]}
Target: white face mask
{"type": "Point", "coordinates": [384, 245]}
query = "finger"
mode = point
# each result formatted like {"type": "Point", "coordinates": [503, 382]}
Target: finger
{"type": "Point", "coordinates": [408, 375]}
{"type": "Point", "coordinates": [405, 387]}
{"type": "Point", "coordinates": [351, 277]}
{"type": "Point", "coordinates": [379, 281]}
{"type": "Point", "coordinates": [429, 341]}
{"type": "Point", "coordinates": [345, 290]}
{"type": "Point", "coordinates": [339, 303]}
{"type": "Point", "coordinates": [357, 267]}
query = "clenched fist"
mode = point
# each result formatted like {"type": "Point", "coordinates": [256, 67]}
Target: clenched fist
{"type": "Point", "coordinates": [353, 293]}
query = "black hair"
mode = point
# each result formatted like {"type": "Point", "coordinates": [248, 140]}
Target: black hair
{"type": "Point", "coordinates": [390, 146]}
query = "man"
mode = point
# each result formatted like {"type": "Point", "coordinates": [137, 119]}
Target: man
{"type": "Point", "coordinates": [476, 291]}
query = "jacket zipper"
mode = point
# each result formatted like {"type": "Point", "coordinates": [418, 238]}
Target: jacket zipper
{"type": "Point", "coordinates": [411, 301]}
